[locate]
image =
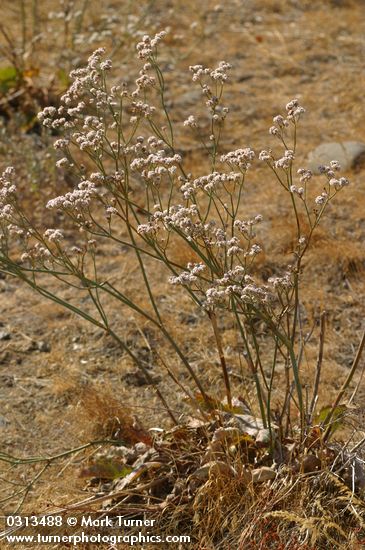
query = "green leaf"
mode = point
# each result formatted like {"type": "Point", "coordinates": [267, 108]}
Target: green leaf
{"type": "Point", "coordinates": [106, 469]}
{"type": "Point", "coordinates": [63, 78]}
{"type": "Point", "coordinates": [336, 420]}
{"type": "Point", "coordinates": [8, 78]}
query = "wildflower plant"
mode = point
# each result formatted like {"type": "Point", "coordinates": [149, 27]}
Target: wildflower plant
{"type": "Point", "coordinates": [135, 191]}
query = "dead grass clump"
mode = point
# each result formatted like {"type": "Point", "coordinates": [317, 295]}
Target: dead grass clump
{"type": "Point", "coordinates": [309, 512]}
{"type": "Point", "coordinates": [215, 481]}
{"type": "Point", "coordinates": [108, 418]}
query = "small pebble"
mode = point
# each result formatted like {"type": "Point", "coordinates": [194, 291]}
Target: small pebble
{"type": "Point", "coordinates": [43, 346]}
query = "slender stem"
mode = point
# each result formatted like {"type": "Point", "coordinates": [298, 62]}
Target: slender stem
{"type": "Point", "coordinates": [319, 366]}
{"type": "Point", "coordinates": [259, 391]}
{"type": "Point", "coordinates": [269, 393]}
{"type": "Point", "coordinates": [345, 385]}
{"type": "Point", "coordinates": [213, 319]}
{"type": "Point", "coordinates": [23, 16]}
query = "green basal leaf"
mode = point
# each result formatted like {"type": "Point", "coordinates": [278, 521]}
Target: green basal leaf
{"type": "Point", "coordinates": [63, 78]}
{"type": "Point", "coordinates": [8, 78]}
{"type": "Point", "coordinates": [336, 420]}
{"type": "Point", "coordinates": [106, 469]}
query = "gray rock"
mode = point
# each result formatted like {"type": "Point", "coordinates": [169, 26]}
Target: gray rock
{"type": "Point", "coordinates": [5, 335]}
{"type": "Point", "coordinates": [348, 153]}
{"type": "Point", "coordinates": [3, 422]}
{"type": "Point", "coordinates": [262, 474]}
{"type": "Point", "coordinates": [191, 97]}
{"type": "Point", "coordinates": [43, 346]}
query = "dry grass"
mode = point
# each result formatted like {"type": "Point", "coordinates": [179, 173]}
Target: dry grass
{"type": "Point", "coordinates": [76, 392]}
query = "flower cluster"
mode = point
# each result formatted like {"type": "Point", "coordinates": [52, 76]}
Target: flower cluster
{"type": "Point", "coordinates": [7, 194]}
{"type": "Point", "coordinates": [141, 109]}
{"type": "Point", "coordinates": [293, 113]}
{"type": "Point", "coordinates": [145, 80]}
{"type": "Point", "coordinates": [297, 190]}
{"type": "Point", "coordinates": [294, 110]}
{"type": "Point", "coordinates": [155, 165]}
{"type": "Point", "coordinates": [53, 235]}
{"type": "Point", "coordinates": [240, 157]}
{"type": "Point", "coordinates": [142, 147]}
{"type": "Point", "coordinates": [93, 134]}
{"type": "Point", "coordinates": [37, 254]}
{"type": "Point", "coordinates": [146, 47]}
{"type": "Point", "coordinates": [191, 122]}
{"type": "Point", "coordinates": [305, 175]}
{"type": "Point", "coordinates": [78, 199]}
{"type": "Point", "coordinates": [286, 161]}
{"type": "Point", "coordinates": [266, 156]}
{"type": "Point", "coordinates": [87, 94]}
{"type": "Point", "coordinates": [217, 292]}
{"type": "Point", "coordinates": [220, 73]}
{"type": "Point", "coordinates": [85, 79]}
{"type": "Point", "coordinates": [208, 183]}
{"type": "Point", "coordinates": [179, 217]}
{"type": "Point", "coordinates": [334, 183]}
{"type": "Point", "coordinates": [330, 172]}
{"type": "Point", "coordinates": [255, 294]}
{"type": "Point", "coordinates": [284, 282]}
{"type": "Point", "coordinates": [245, 290]}
{"type": "Point", "coordinates": [149, 228]}
{"type": "Point", "coordinates": [245, 227]}
{"type": "Point", "coordinates": [322, 198]}
{"type": "Point", "coordinates": [212, 92]}
{"type": "Point", "coordinates": [190, 276]}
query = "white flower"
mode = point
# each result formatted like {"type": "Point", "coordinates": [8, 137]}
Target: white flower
{"type": "Point", "coordinates": [265, 155]}
{"type": "Point", "coordinates": [191, 122]}
{"type": "Point", "coordinates": [106, 65]}
{"type": "Point", "coordinates": [285, 162]}
{"type": "Point", "coordinates": [61, 143]}
{"type": "Point", "coordinates": [77, 199]}
{"type": "Point", "coordinates": [111, 210]}
{"type": "Point", "coordinates": [305, 175]}
{"type": "Point", "coordinates": [239, 157]}
{"type": "Point", "coordinates": [321, 199]}
{"type": "Point", "coordinates": [53, 235]}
